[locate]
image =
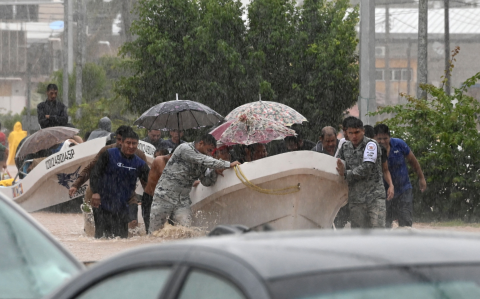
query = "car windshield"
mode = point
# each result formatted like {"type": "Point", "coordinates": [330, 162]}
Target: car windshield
{"type": "Point", "coordinates": [425, 282]}
{"type": "Point", "coordinates": [31, 265]}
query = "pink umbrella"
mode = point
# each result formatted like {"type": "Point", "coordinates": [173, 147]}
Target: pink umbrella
{"type": "Point", "coordinates": [249, 130]}
{"type": "Point", "coordinates": [270, 110]}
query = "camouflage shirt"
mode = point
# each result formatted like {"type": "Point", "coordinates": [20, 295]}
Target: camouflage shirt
{"type": "Point", "coordinates": [184, 167]}
{"type": "Point", "coordinates": [363, 170]}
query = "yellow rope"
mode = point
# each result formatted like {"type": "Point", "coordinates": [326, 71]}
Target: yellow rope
{"type": "Point", "coordinates": [241, 176]}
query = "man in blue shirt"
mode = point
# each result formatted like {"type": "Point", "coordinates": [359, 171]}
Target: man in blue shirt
{"type": "Point", "coordinates": [112, 180]}
{"type": "Point", "coordinates": [398, 153]}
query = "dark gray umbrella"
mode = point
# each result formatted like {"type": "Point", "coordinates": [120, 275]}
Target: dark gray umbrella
{"type": "Point", "coordinates": [178, 115]}
{"type": "Point", "coordinates": [44, 139]}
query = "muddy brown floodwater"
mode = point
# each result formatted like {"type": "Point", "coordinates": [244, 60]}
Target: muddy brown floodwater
{"type": "Point", "coordinates": [68, 230]}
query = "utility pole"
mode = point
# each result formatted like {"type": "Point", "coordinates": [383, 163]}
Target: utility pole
{"type": "Point", "coordinates": [409, 72]}
{"type": "Point", "coordinates": [67, 47]}
{"type": "Point", "coordinates": [422, 47]}
{"type": "Point", "coordinates": [65, 52]}
{"type": "Point", "coordinates": [29, 71]}
{"type": "Point", "coordinates": [127, 22]}
{"type": "Point", "coordinates": [388, 72]}
{"type": "Point", "coordinates": [70, 36]}
{"type": "Point", "coordinates": [447, 46]}
{"type": "Point", "coordinates": [367, 100]}
{"type": "Point", "coordinates": [81, 40]}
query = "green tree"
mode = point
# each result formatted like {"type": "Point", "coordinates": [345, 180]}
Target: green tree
{"type": "Point", "coordinates": [113, 108]}
{"type": "Point", "coordinates": [98, 97]}
{"type": "Point", "coordinates": [271, 38]}
{"type": "Point", "coordinates": [8, 120]}
{"type": "Point", "coordinates": [193, 48]}
{"type": "Point", "coordinates": [325, 70]}
{"type": "Point", "coordinates": [160, 64]}
{"type": "Point", "coordinates": [94, 82]}
{"type": "Point", "coordinates": [218, 48]}
{"type": "Point", "coordinates": [204, 51]}
{"type": "Point", "coordinates": [442, 133]}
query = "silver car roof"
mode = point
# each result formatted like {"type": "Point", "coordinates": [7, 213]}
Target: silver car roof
{"type": "Point", "coordinates": [279, 254]}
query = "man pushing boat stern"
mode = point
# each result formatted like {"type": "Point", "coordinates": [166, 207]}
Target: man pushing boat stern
{"type": "Point", "coordinates": [188, 163]}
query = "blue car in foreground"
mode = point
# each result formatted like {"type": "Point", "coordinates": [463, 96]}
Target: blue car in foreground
{"type": "Point", "coordinates": [287, 265]}
{"type": "Point", "coordinates": [32, 262]}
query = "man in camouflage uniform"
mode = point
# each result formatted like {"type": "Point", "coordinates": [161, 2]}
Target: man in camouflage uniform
{"type": "Point", "coordinates": [188, 163]}
{"type": "Point", "coordinates": [363, 172]}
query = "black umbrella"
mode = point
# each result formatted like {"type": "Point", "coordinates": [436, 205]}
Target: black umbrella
{"type": "Point", "coordinates": [178, 115]}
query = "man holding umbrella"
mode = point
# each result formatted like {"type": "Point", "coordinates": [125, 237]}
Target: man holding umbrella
{"type": "Point", "coordinates": [188, 163]}
{"type": "Point", "coordinates": [154, 138]}
{"type": "Point", "coordinates": [174, 141]}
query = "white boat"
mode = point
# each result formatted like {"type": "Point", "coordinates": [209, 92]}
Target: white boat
{"type": "Point", "coordinates": [322, 193]}
{"type": "Point", "coordinates": [48, 183]}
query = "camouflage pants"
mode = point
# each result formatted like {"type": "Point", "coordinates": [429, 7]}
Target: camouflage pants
{"type": "Point", "coordinates": [162, 210]}
{"type": "Point", "coordinates": [368, 215]}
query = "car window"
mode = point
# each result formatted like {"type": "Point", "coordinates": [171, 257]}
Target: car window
{"type": "Point", "coordinates": [142, 283]}
{"type": "Point", "coordinates": [31, 265]}
{"type": "Point", "coordinates": [443, 290]}
{"type": "Point", "coordinates": [413, 282]}
{"type": "Point", "coordinates": [202, 285]}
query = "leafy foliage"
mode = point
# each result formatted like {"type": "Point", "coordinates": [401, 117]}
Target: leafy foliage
{"type": "Point", "coordinates": [325, 65]}
{"type": "Point", "coordinates": [300, 56]}
{"type": "Point", "coordinates": [94, 81]}
{"type": "Point", "coordinates": [8, 120]}
{"type": "Point", "coordinates": [272, 39]}
{"type": "Point", "coordinates": [442, 133]}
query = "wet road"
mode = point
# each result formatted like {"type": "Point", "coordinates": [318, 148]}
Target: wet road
{"type": "Point", "coordinates": [68, 229]}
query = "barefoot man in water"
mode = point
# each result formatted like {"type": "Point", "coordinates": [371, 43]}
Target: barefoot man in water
{"type": "Point", "coordinates": [188, 163]}
{"type": "Point", "coordinates": [156, 171]}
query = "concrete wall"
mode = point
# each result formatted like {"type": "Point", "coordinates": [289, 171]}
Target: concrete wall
{"type": "Point", "coordinates": [15, 104]}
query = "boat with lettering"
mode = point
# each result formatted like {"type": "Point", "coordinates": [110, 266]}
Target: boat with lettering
{"type": "Point", "coordinates": [295, 190]}
{"type": "Point", "coordinates": [48, 183]}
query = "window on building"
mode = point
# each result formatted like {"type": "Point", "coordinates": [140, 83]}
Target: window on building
{"type": "Point", "coordinates": [27, 13]}
{"type": "Point", "coordinates": [379, 75]}
{"type": "Point", "coordinates": [5, 89]}
{"type": "Point", "coordinates": [396, 75]}
{"type": "Point", "coordinates": [406, 74]}
{"type": "Point", "coordinates": [13, 51]}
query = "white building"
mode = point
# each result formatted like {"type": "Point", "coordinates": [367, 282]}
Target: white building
{"type": "Point", "coordinates": [30, 32]}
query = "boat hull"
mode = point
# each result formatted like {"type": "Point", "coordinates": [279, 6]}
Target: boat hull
{"type": "Point", "coordinates": [48, 183]}
{"type": "Point", "coordinates": [322, 193]}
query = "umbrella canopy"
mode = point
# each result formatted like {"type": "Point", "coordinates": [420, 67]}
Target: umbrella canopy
{"type": "Point", "coordinates": [271, 110]}
{"type": "Point", "coordinates": [45, 139]}
{"type": "Point", "coordinates": [178, 115]}
{"type": "Point", "coordinates": [249, 130]}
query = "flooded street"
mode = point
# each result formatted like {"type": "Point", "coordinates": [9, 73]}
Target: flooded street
{"type": "Point", "coordinates": [68, 229]}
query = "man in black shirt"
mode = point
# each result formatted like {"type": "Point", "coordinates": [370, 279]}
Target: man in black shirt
{"type": "Point", "coordinates": [52, 113]}
{"type": "Point", "coordinates": [296, 143]}
{"type": "Point", "coordinates": [154, 138]}
{"type": "Point", "coordinates": [174, 141]}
